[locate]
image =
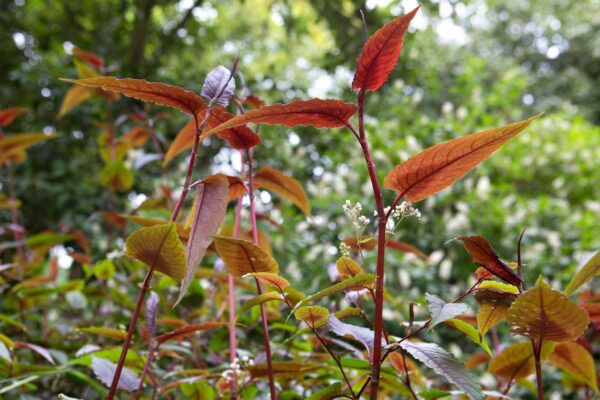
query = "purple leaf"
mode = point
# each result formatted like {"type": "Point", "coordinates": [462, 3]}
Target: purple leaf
{"type": "Point", "coordinates": [218, 86]}
{"type": "Point", "coordinates": [357, 333]}
{"type": "Point", "coordinates": [105, 371]}
{"type": "Point", "coordinates": [151, 312]}
{"type": "Point", "coordinates": [212, 196]}
{"type": "Point", "coordinates": [446, 365]}
{"type": "Point", "coordinates": [442, 311]}
{"type": "Point", "coordinates": [38, 349]}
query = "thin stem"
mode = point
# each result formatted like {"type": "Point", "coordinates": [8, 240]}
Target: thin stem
{"type": "Point", "coordinates": [231, 291]}
{"type": "Point", "coordinates": [146, 369]}
{"type": "Point", "coordinates": [142, 295]}
{"type": "Point", "coordinates": [407, 376]}
{"type": "Point", "coordinates": [381, 239]}
{"type": "Point", "coordinates": [127, 342]}
{"type": "Point", "coordinates": [537, 350]}
{"type": "Point", "coordinates": [18, 234]}
{"type": "Point", "coordinates": [519, 263]}
{"type": "Point", "coordinates": [263, 313]}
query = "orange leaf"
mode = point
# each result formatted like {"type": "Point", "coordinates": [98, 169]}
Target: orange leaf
{"type": "Point", "coordinates": [284, 185]}
{"type": "Point", "coordinates": [8, 115]}
{"type": "Point", "coordinates": [188, 330]}
{"type": "Point", "coordinates": [271, 279]}
{"type": "Point", "coordinates": [74, 96]}
{"type": "Point", "coordinates": [576, 360]}
{"type": "Point", "coordinates": [365, 243]}
{"type": "Point", "coordinates": [380, 54]}
{"type": "Point", "coordinates": [320, 113]}
{"type": "Point", "coordinates": [154, 92]}
{"type": "Point", "coordinates": [406, 248]}
{"type": "Point", "coordinates": [483, 254]}
{"type": "Point", "coordinates": [438, 167]}
{"type": "Point", "coordinates": [137, 136]}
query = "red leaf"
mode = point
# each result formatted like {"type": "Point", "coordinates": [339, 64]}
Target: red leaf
{"type": "Point", "coordinates": [483, 254]}
{"type": "Point", "coordinates": [154, 92]}
{"type": "Point", "coordinates": [380, 54]}
{"type": "Point", "coordinates": [437, 167]}
{"type": "Point", "coordinates": [239, 137]}
{"type": "Point", "coordinates": [329, 113]}
{"type": "Point", "coordinates": [188, 330]}
{"type": "Point", "coordinates": [8, 115]}
{"type": "Point", "coordinates": [90, 58]}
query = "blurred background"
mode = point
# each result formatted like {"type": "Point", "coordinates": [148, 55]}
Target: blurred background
{"type": "Point", "coordinates": [466, 66]}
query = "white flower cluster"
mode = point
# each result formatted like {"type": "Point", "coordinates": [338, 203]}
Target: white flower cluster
{"type": "Point", "coordinates": [236, 368]}
{"type": "Point", "coordinates": [345, 249]}
{"type": "Point", "coordinates": [402, 210]}
{"type": "Point", "coordinates": [359, 221]}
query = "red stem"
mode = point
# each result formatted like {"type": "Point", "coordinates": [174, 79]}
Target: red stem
{"type": "Point", "coordinates": [231, 290]}
{"type": "Point", "coordinates": [381, 238]}
{"type": "Point", "coordinates": [263, 314]}
{"type": "Point", "coordinates": [142, 295]}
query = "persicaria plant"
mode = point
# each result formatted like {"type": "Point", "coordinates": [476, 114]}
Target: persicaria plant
{"type": "Point", "coordinates": [348, 351]}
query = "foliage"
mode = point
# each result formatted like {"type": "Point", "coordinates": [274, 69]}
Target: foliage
{"type": "Point", "coordinates": [68, 278]}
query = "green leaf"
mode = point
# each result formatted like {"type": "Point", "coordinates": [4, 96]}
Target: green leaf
{"type": "Point", "coordinates": [584, 274]}
{"type": "Point", "coordinates": [446, 365]}
{"type": "Point", "coordinates": [442, 311]}
{"type": "Point", "coordinates": [357, 282]}
{"type": "Point", "coordinates": [347, 267]}
{"type": "Point", "coordinates": [159, 248]}
{"type": "Point", "coordinates": [198, 390]}
{"type": "Point", "coordinates": [434, 394]}
{"type": "Point", "coordinates": [471, 332]}
{"type": "Point", "coordinates": [314, 316]}
{"type": "Point", "coordinates": [116, 176]}
{"type": "Point", "coordinates": [330, 392]}
{"type": "Point", "coordinates": [260, 299]}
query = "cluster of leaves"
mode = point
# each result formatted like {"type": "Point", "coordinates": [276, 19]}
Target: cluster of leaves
{"type": "Point", "coordinates": [341, 358]}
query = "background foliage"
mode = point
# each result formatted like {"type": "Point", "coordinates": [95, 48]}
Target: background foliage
{"type": "Point", "coordinates": [467, 65]}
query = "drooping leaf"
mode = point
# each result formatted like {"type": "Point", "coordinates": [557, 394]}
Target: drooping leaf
{"type": "Point", "coordinates": [439, 166]}
{"type": "Point", "coordinates": [314, 316]}
{"type": "Point", "coordinates": [212, 196]}
{"type": "Point", "coordinates": [154, 92]}
{"type": "Point", "coordinates": [347, 267]}
{"type": "Point", "coordinates": [116, 175]}
{"type": "Point", "coordinates": [434, 394]}
{"type": "Point", "coordinates": [218, 82]}
{"type": "Point", "coordinates": [483, 254]}
{"type": "Point", "coordinates": [284, 185]}
{"type": "Point", "coordinates": [271, 279]}
{"type": "Point", "coordinates": [243, 257]}
{"type": "Point", "coordinates": [546, 314]}
{"type": "Point", "coordinates": [260, 299]}
{"type": "Point", "coordinates": [446, 365]}
{"type": "Point", "coordinates": [74, 96]}
{"type": "Point", "coordinates": [357, 282]}
{"type": "Point", "coordinates": [36, 348]}
{"type": "Point", "coordinates": [13, 147]}
{"type": "Point", "coordinates": [590, 269]}
{"type": "Point", "coordinates": [105, 371]}
{"type": "Point", "coordinates": [159, 248]}
{"type": "Point", "coordinates": [8, 115]}
{"type": "Point", "coordinates": [517, 360]}
{"type": "Point", "coordinates": [498, 286]}
{"type": "Point", "coordinates": [188, 330]}
{"type": "Point", "coordinates": [405, 248]}
{"type": "Point", "coordinates": [152, 312]}
{"type": "Point", "coordinates": [106, 332]}
{"type": "Point", "coordinates": [380, 54]}
{"type": "Point", "coordinates": [471, 332]}
{"type": "Point", "coordinates": [576, 360]}
{"type": "Point", "coordinates": [442, 311]}
{"type": "Point", "coordinates": [329, 113]}
{"type": "Point", "coordinates": [365, 336]}
{"type": "Point", "coordinates": [489, 314]}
